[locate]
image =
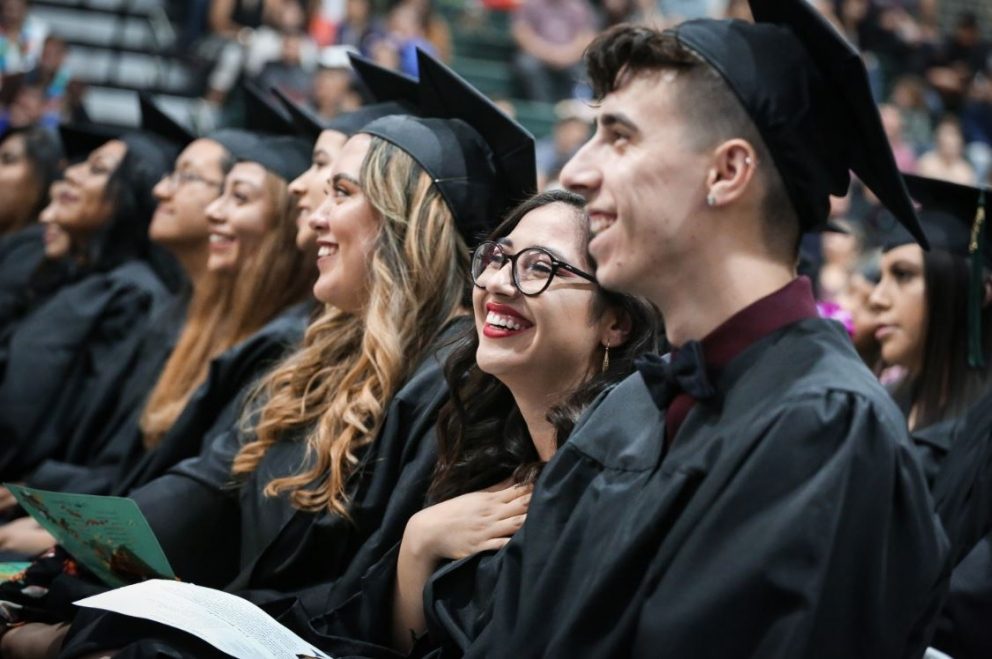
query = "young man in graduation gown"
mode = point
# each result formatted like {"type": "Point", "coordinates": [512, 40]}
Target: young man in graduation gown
{"type": "Point", "coordinates": [754, 492]}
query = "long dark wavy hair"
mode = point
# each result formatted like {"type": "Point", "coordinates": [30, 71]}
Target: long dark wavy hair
{"type": "Point", "coordinates": [945, 385]}
{"type": "Point", "coordinates": [482, 437]}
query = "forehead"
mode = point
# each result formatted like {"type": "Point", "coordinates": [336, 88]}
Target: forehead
{"type": "Point", "coordinates": [558, 226]}
{"type": "Point", "coordinates": [113, 150]}
{"type": "Point", "coordinates": [649, 99]}
{"type": "Point", "coordinates": [13, 142]}
{"type": "Point", "coordinates": [330, 141]}
{"type": "Point", "coordinates": [349, 161]}
{"type": "Point", "coordinates": [911, 253]}
{"type": "Point", "coordinates": [248, 172]}
{"type": "Point", "coordinates": [202, 152]}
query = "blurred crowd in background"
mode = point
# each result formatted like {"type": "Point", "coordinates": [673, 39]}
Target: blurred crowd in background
{"type": "Point", "coordinates": [933, 84]}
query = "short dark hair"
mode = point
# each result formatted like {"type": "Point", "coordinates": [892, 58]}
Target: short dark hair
{"type": "Point", "coordinates": [626, 51]}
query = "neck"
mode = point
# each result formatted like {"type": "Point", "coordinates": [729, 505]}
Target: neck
{"type": "Point", "coordinates": [193, 260]}
{"type": "Point", "coordinates": [534, 410]}
{"type": "Point", "coordinates": [699, 294]}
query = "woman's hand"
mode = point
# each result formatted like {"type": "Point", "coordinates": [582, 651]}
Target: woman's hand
{"type": "Point", "coordinates": [7, 500]}
{"type": "Point", "coordinates": [468, 524]}
{"type": "Point", "coordinates": [459, 527]}
{"type": "Point", "coordinates": [25, 536]}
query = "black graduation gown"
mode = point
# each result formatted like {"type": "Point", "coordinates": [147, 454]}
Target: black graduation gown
{"type": "Point", "coordinates": [957, 456]}
{"type": "Point", "coordinates": [20, 255]}
{"type": "Point", "coordinates": [114, 400]}
{"type": "Point", "coordinates": [789, 519]}
{"type": "Point", "coordinates": [265, 549]}
{"type": "Point", "coordinates": [103, 462]}
{"type": "Point", "coordinates": [62, 347]}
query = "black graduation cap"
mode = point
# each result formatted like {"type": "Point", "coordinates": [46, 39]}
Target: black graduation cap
{"type": "Point", "coordinates": [482, 161]}
{"type": "Point", "coordinates": [806, 89]}
{"type": "Point", "coordinates": [385, 84]}
{"type": "Point", "coordinates": [157, 122]}
{"type": "Point", "coordinates": [283, 155]}
{"type": "Point", "coordinates": [309, 126]}
{"type": "Point", "coordinates": [78, 139]}
{"type": "Point", "coordinates": [953, 217]}
{"type": "Point", "coordinates": [262, 114]}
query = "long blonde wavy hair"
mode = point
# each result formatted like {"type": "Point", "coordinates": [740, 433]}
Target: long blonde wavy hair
{"type": "Point", "coordinates": [337, 387]}
{"type": "Point", "coordinates": [229, 307]}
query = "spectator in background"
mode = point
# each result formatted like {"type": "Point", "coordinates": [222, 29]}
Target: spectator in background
{"type": "Point", "coordinates": [551, 36]}
{"type": "Point", "coordinates": [909, 97]}
{"type": "Point", "coordinates": [976, 125]}
{"type": "Point", "coordinates": [946, 161]}
{"type": "Point", "coordinates": [573, 123]}
{"type": "Point", "coordinates": [406, 35]}
{"type": "Point", "coordinates": [676, 11]}
{"type": "Point", "coordinates": [22, 37]}
{"type": "Point", "coordinates": [955, 63]}
{"type": "Point", "coordinates": [903, 151]}
{"type": "Point", "coordinates": [433, 26]}
{"type": "Point", "coordinates": [360, 29]}
{"type": "Point", "coordinates": [252, 34]}
{"type": "Point", "coordinates": [331, 84]}
{"type": "Point", "coordinates": [288, 73]}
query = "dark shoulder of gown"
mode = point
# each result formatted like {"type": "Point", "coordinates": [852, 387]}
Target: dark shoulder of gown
{"type": "Point", "coordinates": [107, 454]}
{"type": "Point", "coordinates": [233, 536]}
{"type": "Point", "coordinates": [789, 518]}
{"type": "Point", "coordinates": [957, 454]}
{"type": "Point", "coordinates": [20, 255]}
{"type": "Point", "coordinates": [62, 347]}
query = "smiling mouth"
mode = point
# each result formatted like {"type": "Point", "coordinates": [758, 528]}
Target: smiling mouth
{"type": "Point", "coordinates": [220, 240]}
{"type": "Point", "coordinates": [501, 325]}
{"type": "Point", "coordinates": [326, 250]}
{"type": "Point", "coordinates": [600, 223]}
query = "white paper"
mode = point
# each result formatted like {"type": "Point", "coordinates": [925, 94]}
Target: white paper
{"type": "Point", "coordinates": [227, 622]}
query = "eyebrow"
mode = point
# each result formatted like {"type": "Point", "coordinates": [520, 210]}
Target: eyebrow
{"type": "Point", "coordinates": [241, 181]}
{"type": "Point", "coordinates": [506, 242]}
{"type": "Point", "coordinates": [612, 119]}
{"type": "Point", "coordinates": [346, 177]}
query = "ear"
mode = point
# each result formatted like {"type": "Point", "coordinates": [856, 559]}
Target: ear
{"type": "Point", "coordinates": [616, 326]}
{"type": "Point", "coordinates": [730, 174]}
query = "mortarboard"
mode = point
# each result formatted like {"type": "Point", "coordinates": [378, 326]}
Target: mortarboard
{"type": "Point", "coordinates": [309, 126]}
{"type": "Point", "coordinates": [285, 156]}
{"type": "Point", "coordinates": [481, 161]}
{"type": "Point", "coordinates": [262, 114]}
{"type": "Point", "coordinates": [953, 217]}
{"type": "Point", "coordinates": [157, 122]}
{"type": "Point", "coordinates": [78, 139]}
{"type": "Point", "coordinates": [806, 90]}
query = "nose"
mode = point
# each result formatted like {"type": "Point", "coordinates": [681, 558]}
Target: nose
{"type": "Point", "coordinates": [581, 174]}
{"type": "Point", "coordinates": [878, 299]}
{"type": "Point", "coordinates": [164, 188]}
{"type": "Point", "coordinates": [501, 282]}
{"type": "Point", "coordinates": [216, 211]}
{"type": "Point", "coordinates": [73, 172]}
{"type": "Point", "coordinates": [318, 218]}
{"type": "Point", "coordinates": [298, 186]}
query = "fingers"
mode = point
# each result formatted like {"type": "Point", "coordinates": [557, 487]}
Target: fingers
{"type": "Point", "coordinates": [513, 492]}
{"type": "Point", "coordinates": [495, 544]}
{"type": "Point", "coordinates": [507, 527]}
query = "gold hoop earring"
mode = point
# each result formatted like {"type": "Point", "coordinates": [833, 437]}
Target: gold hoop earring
{"type": "Point", "coordinates": [606, 357]}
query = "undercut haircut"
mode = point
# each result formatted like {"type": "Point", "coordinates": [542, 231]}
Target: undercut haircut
{"type": "Point", "coordinates": [625, 52]}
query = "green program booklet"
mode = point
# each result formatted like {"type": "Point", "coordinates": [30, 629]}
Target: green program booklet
{"type": "Point", "coordinates": [108, 535]}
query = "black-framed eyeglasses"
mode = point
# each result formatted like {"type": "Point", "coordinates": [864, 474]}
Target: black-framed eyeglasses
{"type": "Point", "coordinates": [179, 179]}
{"type": "Point", "coordinates": [531, 269]}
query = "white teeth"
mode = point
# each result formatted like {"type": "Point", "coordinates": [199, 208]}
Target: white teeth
{"type": "Point", "coordinates": [325, 250]}
{"type": "Point", "coordinates": [217, 238]}
{"type": "Point", "coordinates": [599, 224]}
{"type": "Point", "coordinates": [501, 320]}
